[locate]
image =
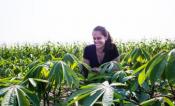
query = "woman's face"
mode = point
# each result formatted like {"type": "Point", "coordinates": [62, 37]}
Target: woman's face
{"type": "Point", "coordinates": [99, 39]}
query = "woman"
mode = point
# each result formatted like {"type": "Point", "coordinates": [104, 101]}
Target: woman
{"type": "Point", "coordinates": [103, 50]}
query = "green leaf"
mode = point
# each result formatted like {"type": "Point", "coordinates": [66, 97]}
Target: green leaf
{"type": "Point", "coordinates": [149, 102]}
{"type": "Point", "coordinates": [168, 101]}
{"type": "Point", "coordinates": [9, 98]}
{"type": "Point", "coordinates": [70, 58]}
{"type": "Point", "coordinates": [139, 69]}
{"type": "Point", "coordinates": [89, 94]}
{"type": "Point", "coordinates": [40, 80]}
{"type": "Point", "coordinates": [3, 90]}
{"type": "Point", "coordinates": [34, 72]}
{"type": "Point", "coordinates": [156, 68]}
{"type": "Point", "coordinates": [91, 99]}
{"type": "Point", "coordinates": [19, 95]}
{"type": "Point", "coordinates": [95, 77]}
{"type": "Point", "coordinates": [146, 55]}
{"type": "Point", "coordinates": [107, 99]}
{"type": "Point", "coordinates": [127, 78]}
{"type": "Point", "coordinates": [31, 95]}
{"type": "Point", "coordinates": [22, 100]}
{"type": "Point", "coordinates": [32, 82]}
{"type": "Point", "coordinates": [79, 93]}
{"type": "Point", "coordinates": [153, 59]}
{"type": "Point", "coordinates": [141, 77]}
{"type": "Point", "coordinates": [170, 72]}
{"type": "Point", "coordinates": [170, 68]}
{"type": "Point", "coordinates": [117, 84]}
{"type": "Point", "coordinates": [171, 56]}
{"type": "Point", "coordinates": [82, 93]}
{"type": "Point", "coordinates": [56, 74]}
{"type": "Point", "coordinates": [110, 66]}
{"type": "Point", "coordinates": [119, 75]}
{"type": "Point", "coordinates": [61, 72]}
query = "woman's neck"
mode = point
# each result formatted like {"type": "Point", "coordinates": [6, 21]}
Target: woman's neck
{"type": "Point", "coordinates": [100, 49]}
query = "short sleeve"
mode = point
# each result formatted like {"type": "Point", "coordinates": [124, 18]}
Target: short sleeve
{"type": "Point", "coordinates": [85, 54]}
{"type": "Point", "coordinates": [115, 52]}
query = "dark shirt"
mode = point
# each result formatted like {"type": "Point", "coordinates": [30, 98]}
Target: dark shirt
{"type": "Point", "coordinates": [90, 54]}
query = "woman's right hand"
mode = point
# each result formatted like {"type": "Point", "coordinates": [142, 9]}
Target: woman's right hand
{"type": "Point", "coordinates": [96, 69]}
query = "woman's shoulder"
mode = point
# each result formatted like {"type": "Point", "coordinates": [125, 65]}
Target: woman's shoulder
{"type": "Point", "coordinates": [88, 50]}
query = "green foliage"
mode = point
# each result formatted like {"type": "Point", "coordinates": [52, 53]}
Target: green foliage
{"type": "Point", "coordinates": [50, 74]}
{"type": "Point", "coordinates": [18, 95]}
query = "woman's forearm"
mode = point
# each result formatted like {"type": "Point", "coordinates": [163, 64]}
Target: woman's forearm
{"type": "Point", "coordinates": [117, 59]}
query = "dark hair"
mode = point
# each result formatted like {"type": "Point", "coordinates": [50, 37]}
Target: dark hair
{"type": "Point", "coordinates": [105, 33]}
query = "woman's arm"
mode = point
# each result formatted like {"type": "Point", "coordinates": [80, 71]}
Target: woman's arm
{"type": "Point", "coordinates": [117, 59]}
{"type": "Point", "coordinates": [86, 61]}
{"type": "Point", "coordinates": [95, 69]}
{"type": "Point", "coordinates": [84, 71]}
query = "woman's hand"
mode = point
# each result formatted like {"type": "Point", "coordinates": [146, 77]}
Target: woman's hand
{"type": "Point", "coordinates": [96, 69]}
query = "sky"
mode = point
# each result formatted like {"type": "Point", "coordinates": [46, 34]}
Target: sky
{"type": "Point", "coordinates": [73, 20]}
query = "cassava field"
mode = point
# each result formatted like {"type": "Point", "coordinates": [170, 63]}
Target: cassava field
{"type": "Point", "coordinates": [50, 75]}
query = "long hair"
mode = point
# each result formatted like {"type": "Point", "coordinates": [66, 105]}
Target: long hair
{"type": "Point", "coordinates": [105, 33]}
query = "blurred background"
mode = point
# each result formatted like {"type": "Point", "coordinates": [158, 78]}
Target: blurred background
{"type": "Point", "coordinates": [38, 21]}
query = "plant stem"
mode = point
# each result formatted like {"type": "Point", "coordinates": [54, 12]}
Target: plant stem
{"type": "Point", "coordinates": [132, 101]}
{"type": "Point", "coordinates": [172, 90]}
{"type": "Point", "coordinates": [152, 92]}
